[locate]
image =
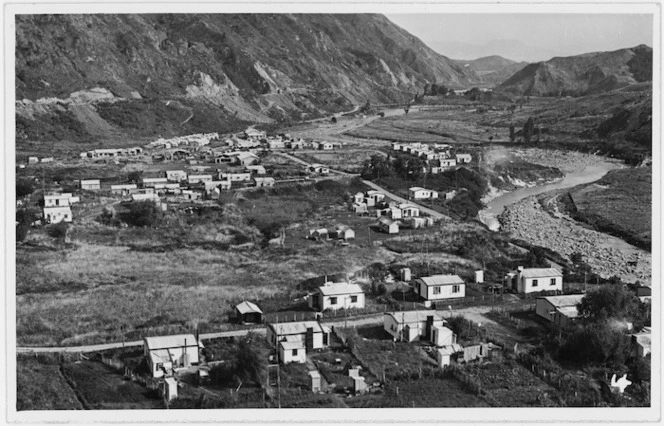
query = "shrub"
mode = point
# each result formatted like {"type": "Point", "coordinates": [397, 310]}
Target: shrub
{"type": "Point", "coordinates": [142, 213]}
{"type": "Point", "coordinates": [24, 218]}
{"type": "Point", "coordinates": [59, 230]}
{"type": "Point", "coordinates": [24, 187]}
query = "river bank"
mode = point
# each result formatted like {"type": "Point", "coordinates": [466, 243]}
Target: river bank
{"type": "Point", "coordinates": [579, 168]}
{"type": "Point", "coordinates": [607, 255]}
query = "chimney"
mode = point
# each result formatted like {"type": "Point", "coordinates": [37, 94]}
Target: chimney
{"type": "Point", "coordinates": [520, 269]}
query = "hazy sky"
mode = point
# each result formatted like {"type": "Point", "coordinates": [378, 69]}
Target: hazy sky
{"type": "Point", "coordinates": [526, 37]}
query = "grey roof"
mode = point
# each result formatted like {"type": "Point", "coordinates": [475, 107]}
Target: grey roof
{"type": "Point", "coordinates": [175, 341]}
{"type": "Point", "coordinates": [541, 273]}
{"type": "Point", "coordinates": [295, 344]}
{"type": "Point", "coordinates": [286, 328]}
{"type": "Point", "coordinates": [565, 300]}
{"type": "Point", "coordinates": [247, 307]}
{"type": "Point", "coordinates": [409, 317]}
{"type": "Point", "coordinates": [441, 280]}
{"type": "Point", "coordinates": [333, 289]}
{"type": "Point", "coordinates": [385, 221]}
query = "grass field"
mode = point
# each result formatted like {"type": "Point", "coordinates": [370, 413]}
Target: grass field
{"type": "Point", "coordinates": [41, 385]}
{"type": "Point", "coordinates": [620, 203]}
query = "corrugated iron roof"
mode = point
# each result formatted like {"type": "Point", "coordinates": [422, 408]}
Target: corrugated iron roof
{"type": "Point", "coordinates": [175, 341]}
{"type": "Point", "coordinates": [565, 300]}
{"type": "Point", "coordinates": [247, 307]}
{"type": "Point", "coordinates": [569, 311]}
{"type": "Point", "coordinates": [332, 289]}
{"type": "Point", "coordinates": [409, 317]}
{"type": "Point", "coordinates": [386, 221]}
{"type": "Point", "coordinates": [541, 273]}
{"type": "Point", "coordinates": [286, 328]}
{"type": "Point", "coordinates": [292, 345]}
{"type": "Point", "coordinates": [441, 280]}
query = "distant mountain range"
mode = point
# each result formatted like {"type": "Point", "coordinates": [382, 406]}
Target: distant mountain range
{"type": "Point", "coordinates": [582, 74]}
{"type": "Point", "coordinates": [91, 76]}
{"type": "Point", "coordinates": [492, 70]}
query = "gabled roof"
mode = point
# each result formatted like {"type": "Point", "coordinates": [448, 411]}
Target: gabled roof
{"type": "Point", "coordinates": [565, 300]}
{"type": "Point", "coordinates": [541, 273]}
{"type": "Point", "coordinates": [175, 341]}
{"type": "Point", "coordinates": [441, 280]}
{"type": "Point", "coordinates": [643, 339]}
{"type": "Point", "coordinates": [245, 154]}
{"type": "Point", "coordinates": [286, 328]}
{"type": "Point", "coordinates": [334, 289]}
{"type": "Point", "coordinates": [407, 206]}
{"type": "Point", "coordinates": [385, 221]}
{"type": "Point", "coordinates": [295, 344]}
{"type": "Point", "coordinates": [409, 317]}
{"type": "Point", "coordinates": [248, 307]}
{"type": "Point", "coordinates": [416, 188]}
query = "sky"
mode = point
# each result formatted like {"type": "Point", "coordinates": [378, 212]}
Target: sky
{"type": "Point", "coordinates": [526, 37]}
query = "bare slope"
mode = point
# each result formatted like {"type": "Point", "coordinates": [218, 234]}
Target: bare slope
{"type": "Point", "coordinates": [493, 70]}
{"type": "Point", "coordinates": [583, 74]}
{"type": "Point", "coordinates": [228, 67]}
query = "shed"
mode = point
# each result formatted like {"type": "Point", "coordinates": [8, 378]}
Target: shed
{"type": "Point", "coordinates": [560, 310]}
{"type": "Point", "coordinates": [444, 355]}
{"type": "Point", "coordinates": [319, 234]}
{"type": "Point", "coordinates": [292, 351]}
{"type": "Point", "coordinates": [316, 382]}
{"type": "Point", "coordinates": [169, 388]}
{"type": "Point", "coordinates": [90, 184]}
{"type": "Point", "coordinates": [247, 312]}
{"type": "Point", "coordinates": [388, 226]}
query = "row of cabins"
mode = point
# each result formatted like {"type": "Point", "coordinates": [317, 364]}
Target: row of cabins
{"type": "Point", "coordinates": [195, 140]}
{"type": "Point", "coordinates": [439, 153]}
{"type": "Point", "coordinates": [104, 153]}
{"type": "Point", "coordinates": [36, 160]}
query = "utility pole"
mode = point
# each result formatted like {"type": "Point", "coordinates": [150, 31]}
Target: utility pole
{"type": "Point", "coordinates": [276, 345]}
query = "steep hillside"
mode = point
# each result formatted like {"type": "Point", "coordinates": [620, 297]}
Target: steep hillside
{"type": "Point", "coordinates": [90, 76]}
{"type": "Point", "coordinates": [583, 74]}
{"type": "Point", "coordinates": [493, 70]}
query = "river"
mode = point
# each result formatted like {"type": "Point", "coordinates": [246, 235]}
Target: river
{"type": "Point", "coordinates": [590, 173]}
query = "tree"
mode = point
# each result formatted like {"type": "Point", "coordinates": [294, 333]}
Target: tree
{"type": "Point", "coordinates": [528, 129]}
{"type": "Point", "coordinates": [376, 167]}
{"type": "Point", "coordinates": [249, 364]}
{"type": "Point", "coordinates": [24, 187]}
{"type": "Point", "coordinates": [24, 218]}
{"type": "Point", "coordinates": [142, 213]}
{"type": "Point", "coordinates": [512, 133]}
{"type": "Point", "coordinates": [610, 301]}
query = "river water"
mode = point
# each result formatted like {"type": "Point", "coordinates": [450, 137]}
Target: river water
{"type": "Point", "coordinates": [591, 173]}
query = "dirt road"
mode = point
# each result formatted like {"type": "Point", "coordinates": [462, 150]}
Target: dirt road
{"type": "Point", "coordinates": [475, 314]}
{"type": "Point", "coordinates": [395, 197]}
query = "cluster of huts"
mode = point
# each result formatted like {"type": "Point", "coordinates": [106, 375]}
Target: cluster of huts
{"type": "Point", "coordinates": [438, 157]}
{"type": "Point", "coordinates": [339, 232]}
{"type": "Point", "coordinates": [293, 341]}
{"type": "Point", "coordinates": [392, 216]}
